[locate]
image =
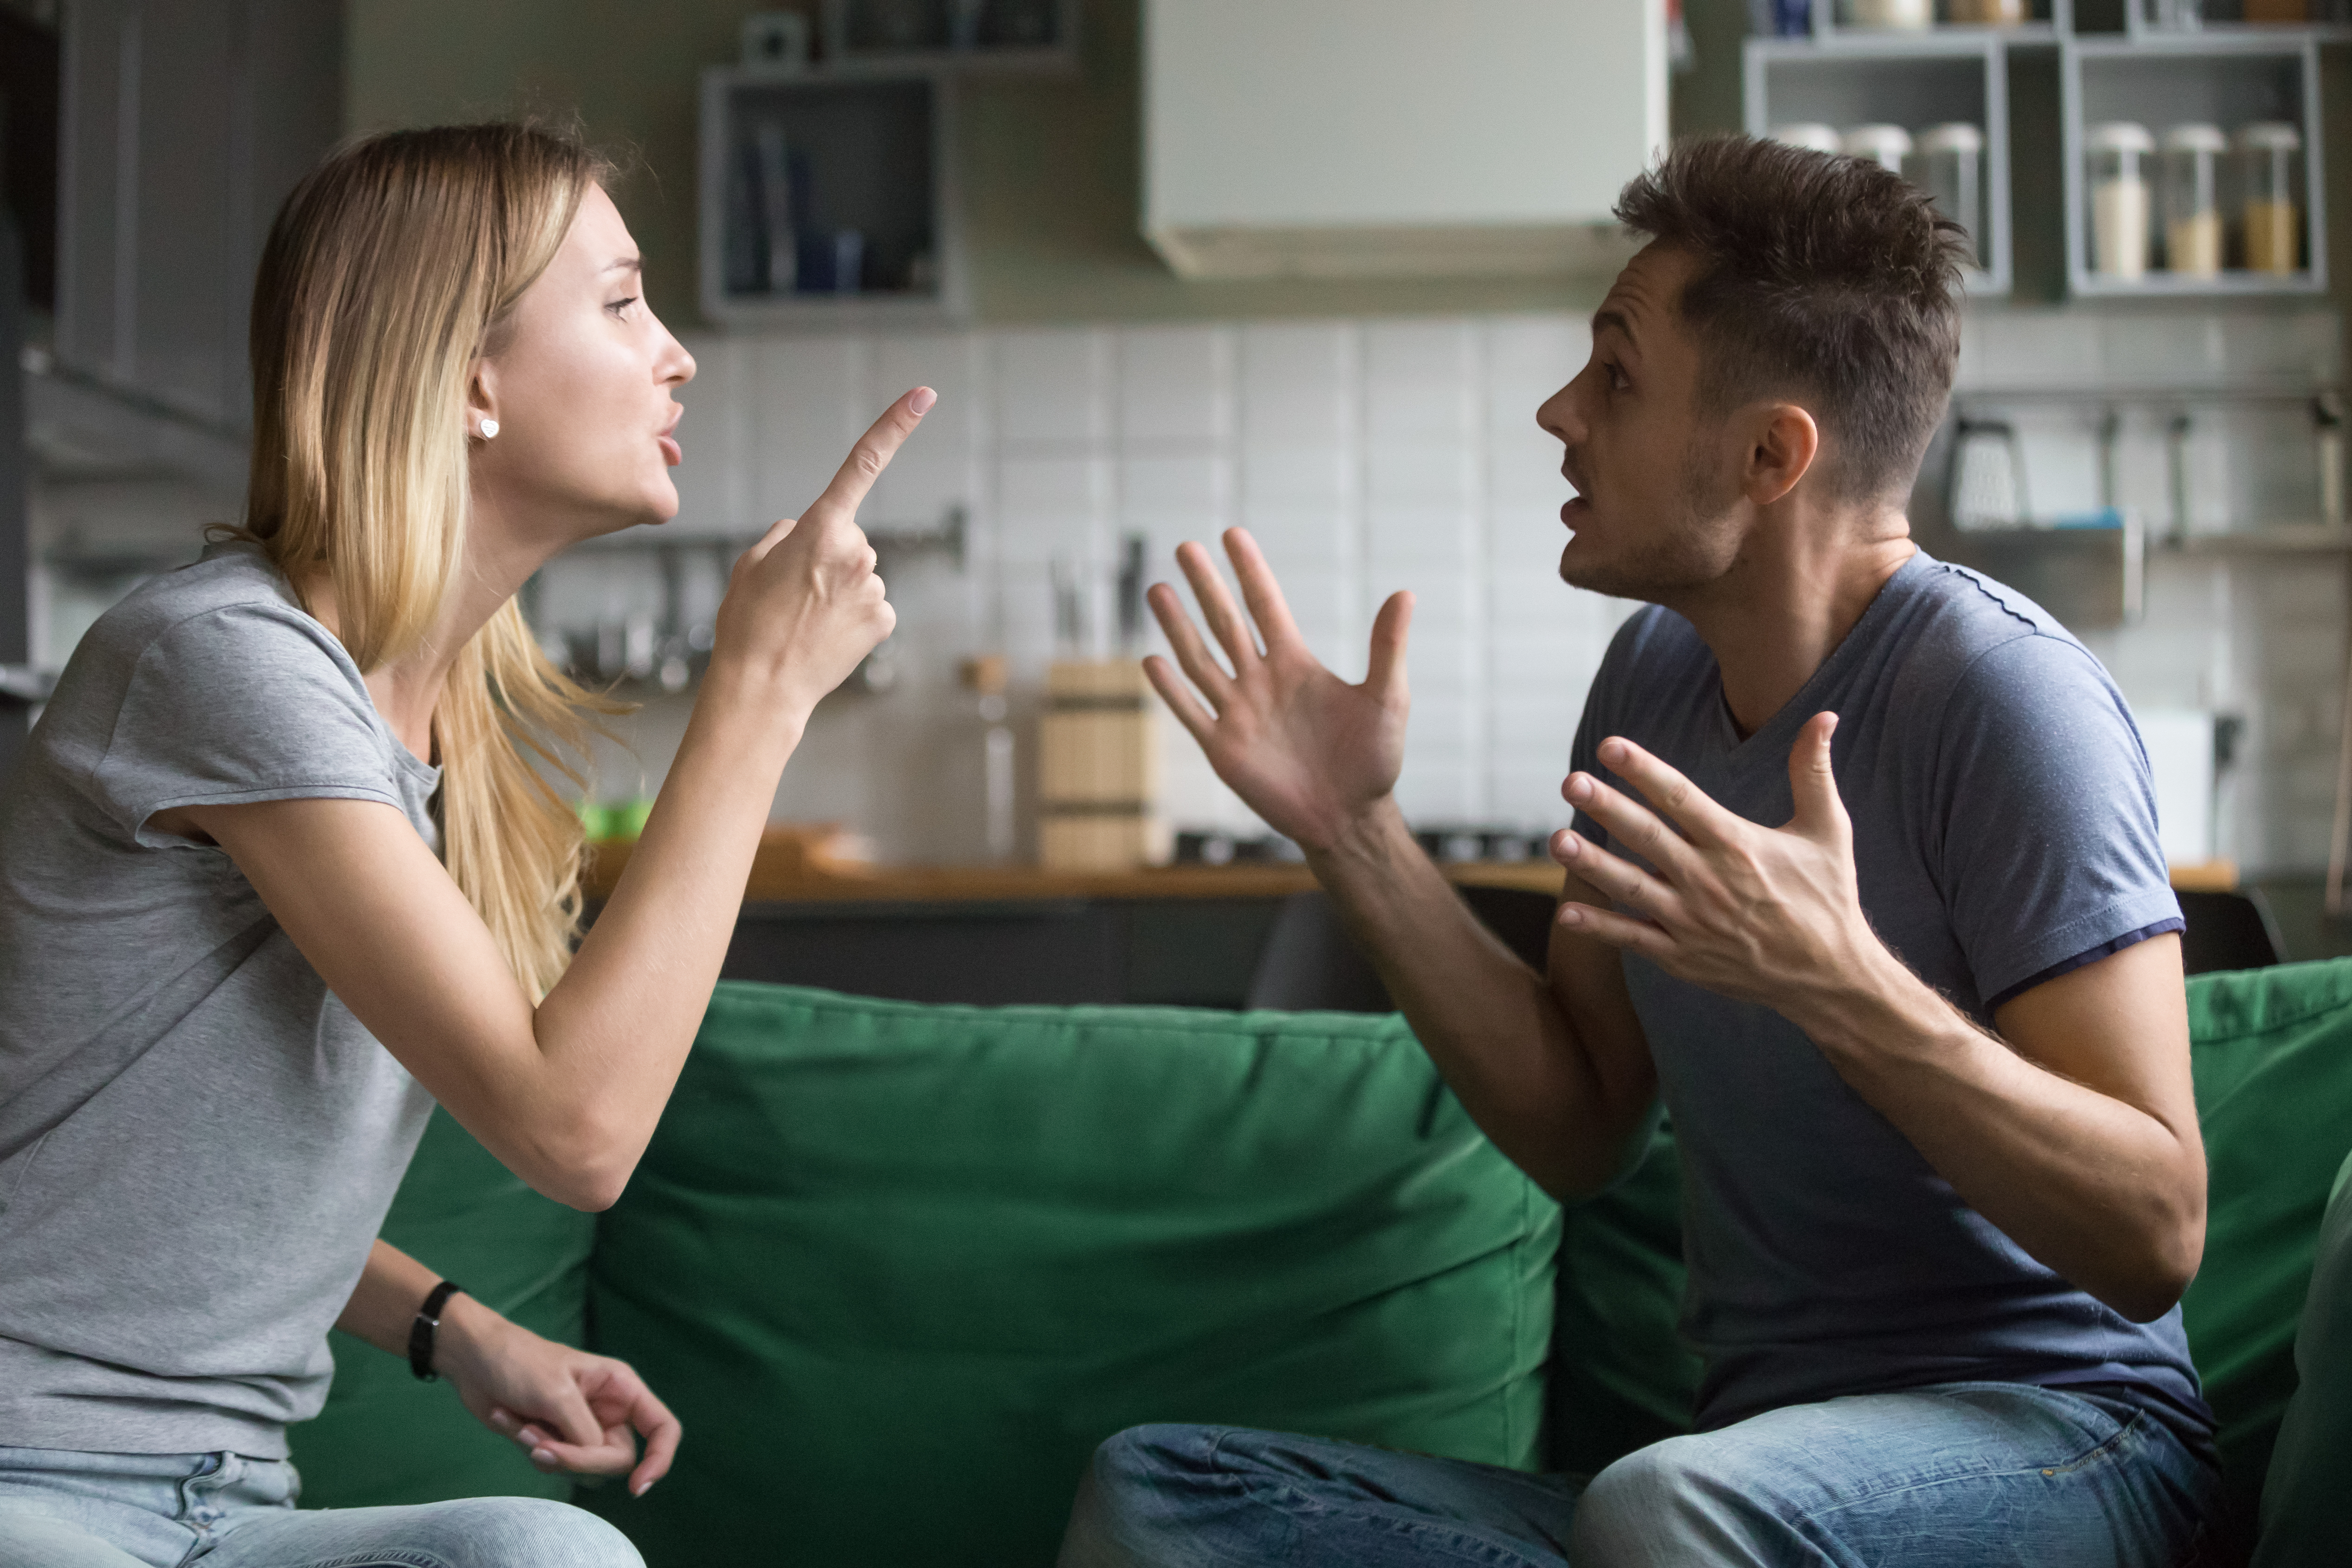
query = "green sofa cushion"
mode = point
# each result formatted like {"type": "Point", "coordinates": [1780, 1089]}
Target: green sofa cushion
{"type": "Point", "coordinates": [900, 1267]}
{"type": "Point", "coordinates": [2272, 1050]}
{"type": "Point", "coordinates": [384, 1438]}
{"type": "Point", "coordinates": [1621, 1377]}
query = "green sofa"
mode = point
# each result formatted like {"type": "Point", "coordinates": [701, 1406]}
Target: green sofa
{"type": "Point", "coordinates": [898, 1268]}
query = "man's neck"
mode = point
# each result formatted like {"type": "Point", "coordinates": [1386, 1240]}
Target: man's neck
{"type": "Point", "coordinates": [1787, 604]}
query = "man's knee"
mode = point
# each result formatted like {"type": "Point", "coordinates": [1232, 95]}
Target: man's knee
{"type": "Point", "coordinates": [1133, 1502]}
{"type": "Point", "coordinates": [1676, 1501]}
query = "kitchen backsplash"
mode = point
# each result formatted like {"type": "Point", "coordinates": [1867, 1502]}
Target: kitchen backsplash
{"type": "Point", "coordinates": [1371, 455]}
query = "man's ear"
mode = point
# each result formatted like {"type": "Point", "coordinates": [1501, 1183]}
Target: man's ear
{"type": "Point", "coordinates": [1782, 444]}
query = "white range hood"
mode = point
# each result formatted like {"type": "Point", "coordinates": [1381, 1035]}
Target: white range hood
{"type": "Point", "coordinates": [1396, 137]}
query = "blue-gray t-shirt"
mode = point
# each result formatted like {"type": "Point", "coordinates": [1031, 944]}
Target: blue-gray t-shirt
{"type": "Point", "coordinates": [2004, 829]}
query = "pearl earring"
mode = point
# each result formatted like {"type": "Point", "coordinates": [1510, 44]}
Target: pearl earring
{"type": "Point", "coordinates": [489, 428]}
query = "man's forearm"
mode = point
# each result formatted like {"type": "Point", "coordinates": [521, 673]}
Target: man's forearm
{"type": "Point", "coordinates": [1493, 1026]}
{"type": "Point", "coordinates": [2103, 1193]}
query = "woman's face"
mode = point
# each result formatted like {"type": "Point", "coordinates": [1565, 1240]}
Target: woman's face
{"type": "Point", "coordinates": [579, 385]}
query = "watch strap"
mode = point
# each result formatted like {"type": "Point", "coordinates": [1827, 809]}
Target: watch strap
{"type": "Point", "coordinates": [421, 1332]}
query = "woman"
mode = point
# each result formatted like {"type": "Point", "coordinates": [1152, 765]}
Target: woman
{"type": "Point", "coordinates": [283, 806]}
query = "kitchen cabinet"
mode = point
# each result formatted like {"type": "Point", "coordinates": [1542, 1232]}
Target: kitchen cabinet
{"type": "Point", "coordinates": [827, 199]}
{"type": "Point", "coordinates": [183, 125]}
{"type": "Point", "coordinates": [1911, 80]}
{"type": "Point", "coordinates": [1391, 137]}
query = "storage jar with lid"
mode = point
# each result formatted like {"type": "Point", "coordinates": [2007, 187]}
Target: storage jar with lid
{"type": "Point", "coordinates": [1887, 144]}
{"type": "Point", "coordinates": [2190, 205]}
{"type": "Point", "coordinates": [1886, 13]}
{"type": "Point", "coordinates": [1950, 166]}
{"type": "Point", "coordinates": [1810, 134]}
{"type": "Point", "coordinates": [2116, 153]}
{"type": "Point", "coordinates": [2268, 152]}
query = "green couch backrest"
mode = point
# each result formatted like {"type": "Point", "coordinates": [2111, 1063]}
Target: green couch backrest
{"type": "Point", "coordinates": [900, 1269]}
{"type": "Point", "coordinates": [874, 1239]}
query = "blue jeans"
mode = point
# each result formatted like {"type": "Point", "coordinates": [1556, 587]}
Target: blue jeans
{"type": "Point", "coordinates": [60, 1509]}
{"type": "Point", "coordinates": [1963, 1475]}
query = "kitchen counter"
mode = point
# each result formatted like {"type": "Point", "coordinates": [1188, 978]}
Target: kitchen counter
{"type": "Point", "coordinates": [784, 872]}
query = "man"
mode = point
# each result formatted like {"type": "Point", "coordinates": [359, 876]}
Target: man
{"type": "Point", "coordinates": [1864, 885]}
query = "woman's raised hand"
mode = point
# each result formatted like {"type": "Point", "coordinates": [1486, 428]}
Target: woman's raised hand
{"type": "Point", "coordinates": [803, 604]}
{"type": "Point", "coordinates": [1309, 752]}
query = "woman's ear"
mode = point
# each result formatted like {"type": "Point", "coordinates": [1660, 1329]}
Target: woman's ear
{"type": "Point", "coordinates": [1781, 453]}
{"type": "Point", "coordinates": [481, 399]}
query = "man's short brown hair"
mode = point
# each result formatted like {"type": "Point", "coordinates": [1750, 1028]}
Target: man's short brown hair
{"type": "Point", "coordinates": [1825, 279]}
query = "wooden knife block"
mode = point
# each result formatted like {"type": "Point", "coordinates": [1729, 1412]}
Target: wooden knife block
{"type": "Point", "coordinates": [1099, 768]}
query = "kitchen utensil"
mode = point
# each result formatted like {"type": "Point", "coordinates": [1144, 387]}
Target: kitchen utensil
{"type": "Point", "coordinates": [1987, 476]}
{"type": "Point", "coordinates": [2118, 153]}
{"type": "Point", "coordinates": [2177, 431]}
{"type": "Point", "coordinates": [2328, 427]}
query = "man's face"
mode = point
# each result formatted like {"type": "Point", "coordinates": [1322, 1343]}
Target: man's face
{"type": "Point", "coordinates": [1656, 479]}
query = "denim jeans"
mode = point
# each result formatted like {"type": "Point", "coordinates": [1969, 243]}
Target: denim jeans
{"type": "Point", "coordinates": [60, 1509]}
{"type": "Point", "coordinates": [1963, 1475]}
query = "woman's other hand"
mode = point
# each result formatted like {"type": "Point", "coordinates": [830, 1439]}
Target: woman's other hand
{"type": "Point", "coordinates": [570, 1410]}
{"type": "Point", "coordinates": [804, 605]}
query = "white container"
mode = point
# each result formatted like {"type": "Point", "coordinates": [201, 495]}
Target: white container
{"type": "Point", "coordinates": [2273, 216]}
{"type": "Point", "coordinates": [1950, 166]}
{"type": "Point", "coordinates": [1886, 14]}
{"type": "Point", "coordinates": [2189, 200]}
{"type": "Point", "coordinates": [1887, 144]}
{"type": "Point", "coordinates": [1811, 134]}
{"type": "Point", "coordinates": [2117, 153]}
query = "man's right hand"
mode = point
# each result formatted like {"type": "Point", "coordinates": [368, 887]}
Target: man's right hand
{"type": "Point", "coordinates": [1311, 754]}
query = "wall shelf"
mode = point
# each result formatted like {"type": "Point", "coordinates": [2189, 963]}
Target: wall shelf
{"type": "Point", "coordinates": [1914, 79]}
{"type": "Point", "coordinates": [2162, 79]}
{"type": "Point", "coordinates": [791, 162]}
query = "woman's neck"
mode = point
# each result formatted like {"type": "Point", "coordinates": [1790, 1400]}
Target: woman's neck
{"type": "Point", "coordinates": [406, 690]}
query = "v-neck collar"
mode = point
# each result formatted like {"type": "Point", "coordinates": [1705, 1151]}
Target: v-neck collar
{"type": "Point", "coordinates": [1779, 733]}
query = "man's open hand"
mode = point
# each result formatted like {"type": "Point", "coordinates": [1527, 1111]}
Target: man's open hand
{"type": "Point", "coordinates": [1761, 915]}
{"type": "Point", "coordinates": [1309, 753]}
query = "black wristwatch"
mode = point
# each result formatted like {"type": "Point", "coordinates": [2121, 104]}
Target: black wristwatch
{"type": "Point", "coordinates": [420, 1332]}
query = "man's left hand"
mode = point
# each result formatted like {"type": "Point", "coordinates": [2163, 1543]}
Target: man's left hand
{"type": "Point", "coordinates": [572, 1411]}
{"type": "Point", "coordinates": [1760, 915]}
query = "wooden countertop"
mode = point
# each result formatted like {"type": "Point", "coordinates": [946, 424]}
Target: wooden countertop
{"type": "Point", "coordinates": [784, 871]}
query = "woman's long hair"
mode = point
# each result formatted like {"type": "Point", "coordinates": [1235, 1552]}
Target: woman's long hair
{"type": "Point", "coordinates": [391, 267]}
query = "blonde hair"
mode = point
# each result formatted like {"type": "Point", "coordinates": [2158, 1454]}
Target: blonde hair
{"type": "Point", "coordinates": [391, 268]}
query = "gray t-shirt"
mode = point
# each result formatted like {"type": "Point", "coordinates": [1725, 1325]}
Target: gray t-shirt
{"type": "Point", "coordinates": [2004, 829]}
{"type": "Point", "coordinates": [197, 1140]}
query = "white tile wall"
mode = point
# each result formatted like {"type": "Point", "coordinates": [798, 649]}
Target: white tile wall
{"type": "Point", "coordinates": [1371, 456]}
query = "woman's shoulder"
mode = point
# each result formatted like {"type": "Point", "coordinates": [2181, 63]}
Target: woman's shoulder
{"type": "Point", "coordinates": [231, 611]}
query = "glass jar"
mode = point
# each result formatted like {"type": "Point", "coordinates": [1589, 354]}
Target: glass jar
{"type": "Point", "coordinates": [1883, 144]}
{"type": "Point", "coordinates": [1886, 14]}
{"type": "Point", "coordinates": [1990, 12]}
{"type": "Point", "coordinates": [2116, 153]}
{"type": "Point", "coordinates": [1950, 166]}
{"type": "Point", "coordinates": [2271, 217]}
{"type": "Point", "coordinates": [1811, 135]}
{"type": "Point", "coordinates": [2189, 202]}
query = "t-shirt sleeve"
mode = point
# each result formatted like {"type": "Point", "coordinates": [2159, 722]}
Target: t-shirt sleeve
{"type": "Point", "coordinates": [236, 705]}
{"type": "Point", "coordinates": [2049, 854]}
